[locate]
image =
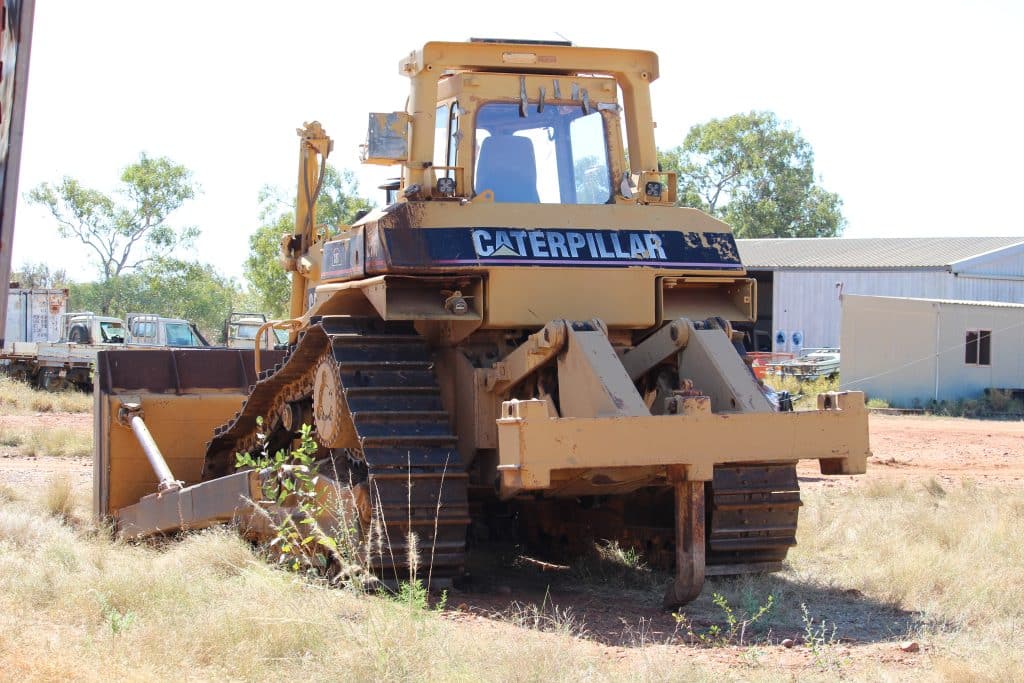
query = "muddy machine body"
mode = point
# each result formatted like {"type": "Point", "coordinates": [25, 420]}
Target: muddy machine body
{"type": "Point", "coordinates": [529, 339]}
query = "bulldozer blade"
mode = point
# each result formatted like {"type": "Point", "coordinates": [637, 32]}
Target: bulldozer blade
{"type": "Point", "coordinates": [182, 395]}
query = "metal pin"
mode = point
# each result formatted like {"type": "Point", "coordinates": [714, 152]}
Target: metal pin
{"type": "Point", "coordinates": [522, 96]}
{"type": "Point", "coordinates": [540, 104]}
{"type": "Point", "coordinates": [586, 101]}
{"type": "Point", "coordinates": [575, 92]}
{"type": "Point", "coordinates": [557, 91]}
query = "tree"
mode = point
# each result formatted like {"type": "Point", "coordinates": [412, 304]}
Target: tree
{"type": "Point", "coordinates": [167, 287]}
{"type": "Point", "coordinates": [337, 205]}
{"type": "Point", "coordinates": [39, 276]}
{"type": "Point", "coordinates": [757, 174]}
{"type": "Point", "coordinates": [128, 231]}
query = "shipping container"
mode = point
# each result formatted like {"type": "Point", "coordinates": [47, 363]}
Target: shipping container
{"type": "Point", "coordinates": [34, 315]}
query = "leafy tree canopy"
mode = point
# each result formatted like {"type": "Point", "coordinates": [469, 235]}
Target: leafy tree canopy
{"type": "Point", "coordinates": [337, 205]}
{"type": "Point", "coordinates": [757, 174]}
{"type": "Point", "coordinates": [128, 230]}
{"type": "Point", "coordinates": [167, 287]}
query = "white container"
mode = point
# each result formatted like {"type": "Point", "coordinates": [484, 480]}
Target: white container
{"type": "Point", "coordinates": [34, 315]}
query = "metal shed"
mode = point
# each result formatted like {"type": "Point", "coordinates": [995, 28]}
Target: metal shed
{"type": "Point", "coordinates": [907, 350]}
{"type": "Point", "coordinates": [800, 280]}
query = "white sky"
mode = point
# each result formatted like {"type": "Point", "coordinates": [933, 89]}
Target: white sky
{"type": "Point", "coordinates": [913, 108]}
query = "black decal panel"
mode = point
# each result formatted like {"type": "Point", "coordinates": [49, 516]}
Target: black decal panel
{"type": "Point", "coordinates": [560, 247]}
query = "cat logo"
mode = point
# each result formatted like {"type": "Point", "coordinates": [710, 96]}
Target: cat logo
{"type": "Point", "coordinates": [590, 245]}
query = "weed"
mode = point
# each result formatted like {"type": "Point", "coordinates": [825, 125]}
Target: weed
{"type": "Point", "coordinates": [10, 438]}
{"type": "Point", "coordinates": [820, 641]}
{"type": "Point", "coordinates": [414, 595]}
{"type": "Point", "coordinates": [878, 403]}
{"type": "Point", "coordinates": [734, 631]}
{"type": "Point", "coordinates": [616, 566]}
{"type": "Point", "coordinates": [118, 621]}
{"type": "Point", "coordinates": [547, 617]}
{"type": "Point", "coordinates": [934, 488]}
{"type": "Point", "coordinates": [994, 403]}
{"type": "Point", "coordinates": [804, 393]}
{"type": "Point", "coordinates": [59, 498]}
{"type": "Point", "coordinates": [290, 481]}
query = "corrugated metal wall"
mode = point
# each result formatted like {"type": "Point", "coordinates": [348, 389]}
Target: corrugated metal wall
{"type": "Point", "coordinates": [808, 300]}
{"type": "Point", "coordinates": [906, 350]}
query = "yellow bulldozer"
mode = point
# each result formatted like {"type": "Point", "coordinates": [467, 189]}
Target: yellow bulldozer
{"type": "Point", "coordinates": [529, 340]}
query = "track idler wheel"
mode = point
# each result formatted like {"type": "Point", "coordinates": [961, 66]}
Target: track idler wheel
{"type": "Point", "coordinates": [690, 521]}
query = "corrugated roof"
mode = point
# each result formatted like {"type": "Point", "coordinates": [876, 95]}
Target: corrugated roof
{"type": "Point", "coordinates": [867, 253]}
{"type": "Point", "coordinates": [957, 302]}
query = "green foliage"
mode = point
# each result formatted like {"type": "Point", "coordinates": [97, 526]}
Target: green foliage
{"type": "Point", "coordinates": [820, 641]}
{"type": "Point", "coordinates": [267, 279]}
{"type": "Point", "coordinates": [877, 403]}
{"type": "Point", "coordinates": [415, 596]}
{"type": "Point", "coordinates": [299, 542]}
{"type": "Point", "coordinates": [615, 565]}
{"type": "Point", "coordinates": [804, 392]}
{"type": "Point", "coordinates": [995, 403]}
{"type": "Point", "coordinates": [337, 205]}
{"type": "Point", "coordinates": [755, 173]}
{"type": "Point", "coordinates": [167, 287]}
{"type": "Point", "coordinates": [734, 630]}
{"type": "Point", "coordinates": [118, 621]}
{"type": "Point", "coordinates": [128, 230]}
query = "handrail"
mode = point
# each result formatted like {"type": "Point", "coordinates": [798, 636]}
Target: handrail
{"type": "Point", "coordinates": [291, 324]}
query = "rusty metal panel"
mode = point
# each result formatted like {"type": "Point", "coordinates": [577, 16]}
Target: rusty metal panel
{"type": "Point", "coordinates": [179, 371]}
{"type": "Point", "coordinates": [16, 44]}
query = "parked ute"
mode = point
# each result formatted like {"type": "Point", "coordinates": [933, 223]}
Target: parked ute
{"type": "Point", "coordinates": [241, 329]}
{"type": "Point", "coordinates": [152, 330]}
{"type": "Point", "coordinates": [71, 360]}
{"type": "Point", "coordinates": [89, 328]}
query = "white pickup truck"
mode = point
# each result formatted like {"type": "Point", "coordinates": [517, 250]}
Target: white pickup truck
{"type": "Point", "coordinates": [69, 361]}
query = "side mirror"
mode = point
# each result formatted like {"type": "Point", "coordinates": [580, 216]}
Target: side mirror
{"type": "Point", "coordinates": [387, 139]}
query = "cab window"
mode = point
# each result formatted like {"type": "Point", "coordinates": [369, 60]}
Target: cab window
{"type": "Point", "coordinates": [558, 156]}
{"type": "Point", "coordinates": [180, 334]}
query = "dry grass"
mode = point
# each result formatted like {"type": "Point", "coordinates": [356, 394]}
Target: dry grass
{"type": "Point", "coordinates": [60, 442]}
{"type": "Point", "coordinates": [74, 604]}
{"type": "Point", "coordinates": [18, 398]}
{"type": "Point", "coordinates": [882, 562]}
{"type": "Point", "coordinates": [58, 498]}
{"type": "Point", "coordinates": [952, 556]}
{"type": "Point", "coordinates": [885, 562]}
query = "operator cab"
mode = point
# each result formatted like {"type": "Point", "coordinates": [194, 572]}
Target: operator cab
{"type": "Point", "coordinates": [523, 122]}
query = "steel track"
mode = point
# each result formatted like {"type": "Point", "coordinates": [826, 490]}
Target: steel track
{"type": "Point", "coordinates": [406, 449]}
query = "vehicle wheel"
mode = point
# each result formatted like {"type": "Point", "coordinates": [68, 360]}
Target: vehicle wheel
{"type": "Point", "coordinates": [79, 335]}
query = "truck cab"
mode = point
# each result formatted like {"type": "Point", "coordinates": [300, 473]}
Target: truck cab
{"type": "Point", "coordinates": [241, 330]}
{"type": "Point", "coordinates": [151, 330]}
{"type": "Point", "coordinates": [86, 327]}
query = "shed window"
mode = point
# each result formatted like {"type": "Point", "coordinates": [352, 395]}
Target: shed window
{"type": "Point", "coordinates": [978, 347]}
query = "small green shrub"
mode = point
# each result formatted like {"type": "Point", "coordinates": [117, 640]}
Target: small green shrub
{"type": "Point", "coordinates": [734, 630]}
{"type": "Point", "coordinates": [299, 542]}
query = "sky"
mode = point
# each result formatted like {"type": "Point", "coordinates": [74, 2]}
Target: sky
{"type": "Point", "coordinates": [913, 108]}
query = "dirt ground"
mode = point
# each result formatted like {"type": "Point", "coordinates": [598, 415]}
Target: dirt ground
{"type": "Point", "coordinates": [617, 621]}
